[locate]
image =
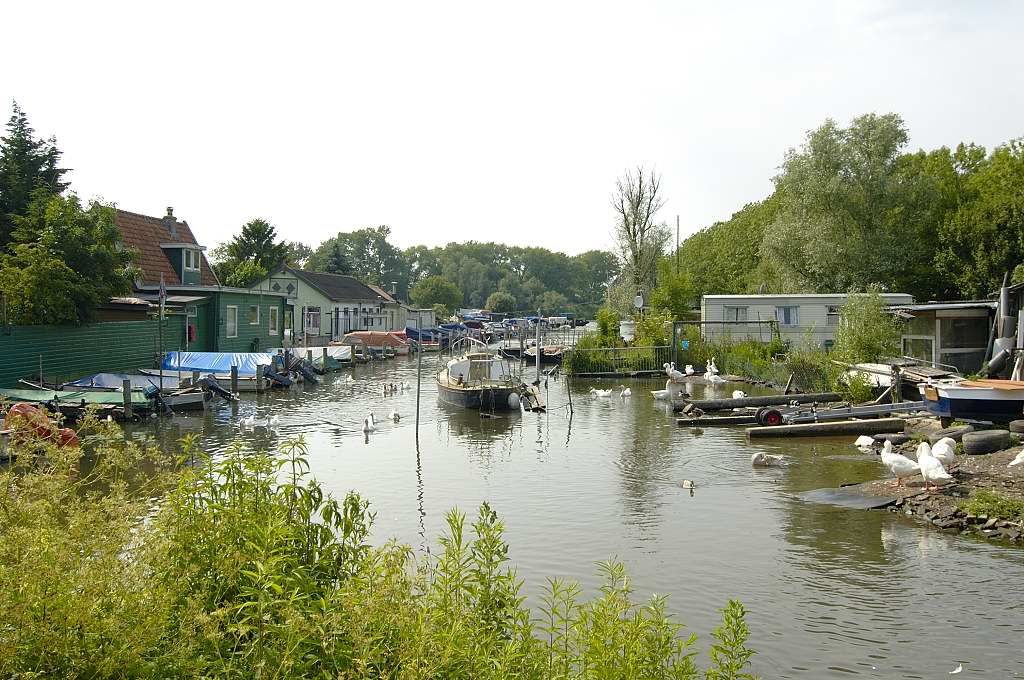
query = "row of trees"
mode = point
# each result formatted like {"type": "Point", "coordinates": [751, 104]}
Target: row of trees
{"type": "Point", "coordinates": [492, 275]}
{"type": "Point", "coordinates": [852, 209]}
{"type": "Point", "coordinates": [59, 258]}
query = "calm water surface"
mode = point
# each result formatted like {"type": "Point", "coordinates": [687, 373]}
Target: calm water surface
{"type": "Point", "coordinates": [831, 591]}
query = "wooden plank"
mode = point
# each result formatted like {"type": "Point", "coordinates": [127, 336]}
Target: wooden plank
{"type": "Point", "coordinates": [839, 427]}
{"type": "Point", "coordinates": [716, 421]}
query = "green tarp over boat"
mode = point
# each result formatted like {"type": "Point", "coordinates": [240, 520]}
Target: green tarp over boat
{"type": "Point", "coordinates": [67, 397]}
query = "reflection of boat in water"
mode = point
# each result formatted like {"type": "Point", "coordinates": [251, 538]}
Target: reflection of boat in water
{"type": "Point", "coordinates": [550, 355]}
{"type": "Point", "coordinates": [479, 378]}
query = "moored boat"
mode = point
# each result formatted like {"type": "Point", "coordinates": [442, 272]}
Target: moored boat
{"type": "Point", "coordinates": [479, 378]}
{"type": "Point", "coordinates": [996, 401]}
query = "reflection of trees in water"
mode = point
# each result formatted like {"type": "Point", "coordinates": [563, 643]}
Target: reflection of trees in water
{"type": "Point", "coordinates": [842, 538]}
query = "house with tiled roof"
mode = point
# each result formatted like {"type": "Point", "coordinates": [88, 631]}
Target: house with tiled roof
{"type": "Point", "coordinates": [206, 315]}
{"type": "Point", "coordinates": [327, 306]}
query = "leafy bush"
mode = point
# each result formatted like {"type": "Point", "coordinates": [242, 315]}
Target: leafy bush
{"type": "Point", "coordinates": [247, 568]}
{"type": "Point", "coordinates": [866, 332]}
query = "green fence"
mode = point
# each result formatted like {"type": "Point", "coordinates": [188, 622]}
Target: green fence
{"type": "Point", "coordinates": [70, 352]}
{"type": "Point", "coordinates": [617, 360]}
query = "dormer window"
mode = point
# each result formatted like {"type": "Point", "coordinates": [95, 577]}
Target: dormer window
{"type": "Point", "coordinates": [192, 259]}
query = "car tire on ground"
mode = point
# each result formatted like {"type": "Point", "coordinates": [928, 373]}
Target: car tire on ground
{"type": "Point", "coordinates": [954, 433]}
{"type": "Point", "coordinates": [986, 441]}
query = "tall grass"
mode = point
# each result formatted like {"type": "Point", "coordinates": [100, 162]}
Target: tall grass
{"type": "Point", "coordinates": [243, 566]}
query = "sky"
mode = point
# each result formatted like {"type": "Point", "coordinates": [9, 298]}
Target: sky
{"type": "Point", "coordinates": [503, 122]}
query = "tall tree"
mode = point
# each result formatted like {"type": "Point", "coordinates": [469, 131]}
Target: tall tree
{"type": "Point", "coordinates": [67, 261]}
{"type": "Point", "coordinates": [258, 242]}
{"type": "Point", "coordinates": [28, 166]}
{"type": "Point", "coordinates": [369, 256]}
{"type": "Point", "coordinates": [435, 290]}
{"type": "Point", "coordinates": [640, 238]}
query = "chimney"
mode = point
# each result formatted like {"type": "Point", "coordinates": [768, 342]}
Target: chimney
{"type": "Point", "coordinates": [171, 222]}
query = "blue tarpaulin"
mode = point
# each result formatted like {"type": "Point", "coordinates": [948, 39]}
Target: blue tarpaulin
{"type": "Point", "coordinates": [115, 380]}
{"type": "Point", "coordinates": [249, 363]}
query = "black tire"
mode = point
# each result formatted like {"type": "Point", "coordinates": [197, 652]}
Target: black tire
{"type": "Point", "coordinates": [894, 438]}
{"type": "Point", "coordinates": [1017, 426]}
{"type": "Point", "coordinates": [770, 417]}
{"type": "Point", "coordinates": [954, 433]}
{"type": "Point", "coordinates": [987, 441]}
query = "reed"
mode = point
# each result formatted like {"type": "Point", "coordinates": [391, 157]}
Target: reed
{"type": "Point", "coordinates": [243, 566]}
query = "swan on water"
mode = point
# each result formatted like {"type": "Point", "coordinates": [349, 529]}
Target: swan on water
{"type": "Point", "coordinates": [1018, 460]}
{"type": "Point", "coordinates": [394, 416]}
{"type": "Point", "coordinates": [625, 392]}
{"type": "Point", "coordinates": [945, 451]}
{"type": "Point", "coordinates": [932, 471]}
{"type": "Point", "coordinates": [899, 465]}
{"type": "Point", "coordinates": [672, 372]}
{"type": "Point", "coordinates": [368, 424]}
{"type": "Point", "coordinates": [714, 378]}
{"type": "Point", "coordinates": [760, 459]}
{"type": "Point", "coordinates": [711, 368]}
{"type": "Point", "coordinates": [688, 369]}
{"type": "Point", "coordinates": [739, 394]}
{"type": "Point", "coordinates": [600, 393]}
{"type": "Point", "coordinates": [864, 442]}
{"type": "Point", "coordinates": [661, 395]}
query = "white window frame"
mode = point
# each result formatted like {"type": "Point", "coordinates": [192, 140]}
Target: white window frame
{"type": "Point", "coordinates": [192, 261]}
{"type": "Point", "coordinates": [257, 321]}
{"type": "Point", "coordinates": [227, 321]}
{"type": "Point", "coordinates": [735, 309]}
{"type": "Point", "coordinates": [794, 317]}
{"type": "Point", "coordinates": [832, 314]}
{"type": "Point", "coordinates": [272, 320]}
{"type": "Point", "coordinates": [192, 311]}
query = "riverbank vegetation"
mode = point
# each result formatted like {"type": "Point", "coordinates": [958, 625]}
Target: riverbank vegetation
{"type": "Point", "coordinates": [244, 566]}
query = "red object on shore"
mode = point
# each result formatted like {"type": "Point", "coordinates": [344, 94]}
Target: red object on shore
{"type": "Point", "coordinates": [23, 415]}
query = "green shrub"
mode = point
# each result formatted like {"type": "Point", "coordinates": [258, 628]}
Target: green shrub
{"type": "Point", "coordinates": [248, 568]}
{"type": "Point", "coordinates": [993, 504]}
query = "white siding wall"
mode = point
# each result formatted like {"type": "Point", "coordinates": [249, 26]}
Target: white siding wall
{"type": "Point", "coordinates": [812, 316]}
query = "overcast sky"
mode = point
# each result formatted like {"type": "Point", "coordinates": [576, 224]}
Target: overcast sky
{"type": "Point", "coordinates": [485, 121]}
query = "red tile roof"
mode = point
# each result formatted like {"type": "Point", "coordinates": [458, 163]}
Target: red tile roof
{"type": "Point", "coordinates": [144, 234]}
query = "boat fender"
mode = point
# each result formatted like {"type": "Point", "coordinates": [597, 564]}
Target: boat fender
{"type": "Point", "coordinates": [513, 401]}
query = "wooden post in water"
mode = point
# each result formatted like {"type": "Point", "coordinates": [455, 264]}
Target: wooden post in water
{"type": "Point", "coordinates": [195, 378]}
{"type": "Point", "coordinates": [324, 359]}
{"type": "Point", "coordinates": [309, 355]}
{"type": "Point", "coordinates": [126, 394]}
{"type": "Point", "coordinates": [234, 379]}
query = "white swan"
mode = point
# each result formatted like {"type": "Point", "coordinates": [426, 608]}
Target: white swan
{"type": "Point", "coordinates": [249, 422]}
{"type": "Point", "coordinates": [711, 368]}
{"type": "Point", "coordinates": [406, 386]}
{"type": "Point", "coordinates": [394, 416]}
{"type": "Point", "coordinates": [600, 393]}
{"type": "Point", "coordinates": [760, 459]}
{"type": "Point", "coordinates": [1018, 460]}
{"type": "Point", "coordinates": [688, 369]}
{"type": "Point", "coordinates": [864, 442]}
{"type": "Point", "coordinates": [368, 423]}
{"type": "Point", "coordinates": [739, 394]}
{"type": "Point", "coordinates": [672, 372]}
{"type": "Point", "coordinates": [899, 465]}
{"type": "Point", "coordinates": [661, 395]}
{"type": "Point", "coordinates": [945, 451]}
{"type": "Point", "coordinates": [932, 471]}
{"type": "Point", "coordinates": [714, 378]}
{"type": "Point", "coordinates": [625, 392]}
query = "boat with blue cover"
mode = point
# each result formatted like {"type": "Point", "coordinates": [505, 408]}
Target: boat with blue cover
{"type": "Point", "coordinates": [991, 401]}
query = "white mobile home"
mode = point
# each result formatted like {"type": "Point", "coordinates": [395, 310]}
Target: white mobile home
{"type": "Point", "coordinates": [800, 317]}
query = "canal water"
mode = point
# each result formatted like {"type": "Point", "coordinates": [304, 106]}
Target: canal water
{"type": "Point", "coordinates": [831, 591]}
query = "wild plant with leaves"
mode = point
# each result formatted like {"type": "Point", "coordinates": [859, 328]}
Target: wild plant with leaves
{"type": "Point", "coordinates": [242, 566]}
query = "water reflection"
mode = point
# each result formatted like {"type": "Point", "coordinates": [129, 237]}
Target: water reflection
{"type": "Point", "coordinates": [831, 591]}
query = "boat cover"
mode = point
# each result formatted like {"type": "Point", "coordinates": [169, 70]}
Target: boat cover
{"type": "Point", "coordinates": [69, 397]}
{"type": "Point", "coordinates": [115, 380]}
{"type": "Point", "coordinates": [249, 363]}
{"type": "Point", "coordinates": [374, 339]}
{"type": "Point", "coordinates": [339, 352]}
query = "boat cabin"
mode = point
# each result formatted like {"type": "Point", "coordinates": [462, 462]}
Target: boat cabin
{"type": "Point", "coordinates": [479, 367]}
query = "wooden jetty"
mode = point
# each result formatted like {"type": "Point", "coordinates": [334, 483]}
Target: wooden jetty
{"type": "Point", "coordinates": [841, 427]}
{"type": "Point", "coordinates": [764, 400]}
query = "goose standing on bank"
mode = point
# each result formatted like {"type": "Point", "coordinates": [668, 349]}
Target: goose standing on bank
{"type": "Point", "coordinates": [945, 451]}
{"type": "Point", "coordinates": [932, 471]}
{"type": "Point", "coordinates": [899, 465]}
{"type": "Point", "coordinates": [1019, 460]}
